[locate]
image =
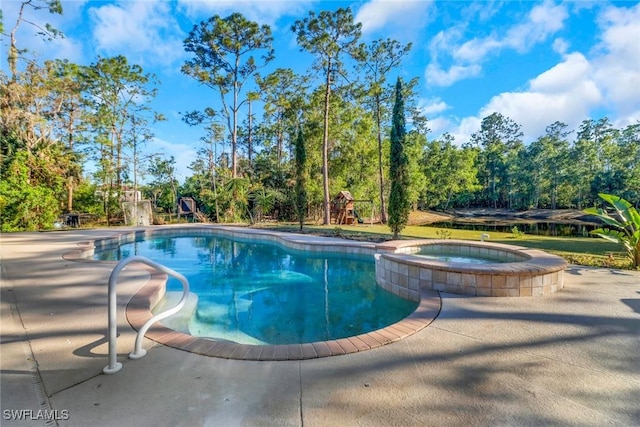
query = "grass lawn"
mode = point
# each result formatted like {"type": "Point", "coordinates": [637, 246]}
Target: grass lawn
{"type": "Point", "coordinates": [589, 251]}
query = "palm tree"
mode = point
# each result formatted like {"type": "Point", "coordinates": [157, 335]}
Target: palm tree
{"type": "Point", "coordinates": [239, 189]}
{"type": "Point", "coordinates": [264, 200]}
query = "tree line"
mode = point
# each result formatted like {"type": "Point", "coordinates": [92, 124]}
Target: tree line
{"type": "Point", "coordinates": [496, 169]}
{"type": "Point", "coordinates": [320, 132]}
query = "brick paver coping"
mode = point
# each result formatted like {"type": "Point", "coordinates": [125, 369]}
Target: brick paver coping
{"type": "Point", "coordinates": [138, 310]}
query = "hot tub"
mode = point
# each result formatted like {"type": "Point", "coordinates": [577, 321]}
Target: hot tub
{"type": "Point", "coordinates": [406, 266]}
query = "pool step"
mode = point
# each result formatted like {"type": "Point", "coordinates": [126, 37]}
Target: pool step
{"type": "Point", "coordinates": [179, 321]}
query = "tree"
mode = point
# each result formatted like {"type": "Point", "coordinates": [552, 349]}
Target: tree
{"type": "Point", "coordinates": [163, 186]}
{"type": "Point", "coordinates": [215, 133]}
{"type": "Point", "coordinates": [53, 6]}
{"type": "Point", "coordinates": [590, 157]}
{"type": "Point", "coordinates": [329, 36]}
{"type": "Point", "coordinates": [380, 57]}
{"type": "Point", "coordinates": [25, 203]}
{"type": "Point", "coordinates": [546, 166]}
{"type": "Point", "coordinates": [223, 60]}
{"type": "Point", "coordinates": [440, 159]}
{"type": "Point", "coordinates": [629, 144]}
{"type": "Point", "coordinates": [120, 95]}
{"type": "Point", "coordinates": [138, 135]}
{"type": "Point", "coordinates": [68, 115]}
{"type": "Point", "coordinates": [30, 114]}
{"type": "Point", "coordinates": [399, 204]}
{"type": "Point", "coordinates": [239, 190]}
{"type": "Point", "coordinates": [499, 138]}
{"type": "Point", "coordinates": [301, 177]}
{"type": "Point", "coordinates": [283, 93]}
{"type": "Point", "coordinates": [353, 156]}
{"type": "Point", "coordinates": [34, 131]}
{"type": "Point", "coordinates": [264, 201]}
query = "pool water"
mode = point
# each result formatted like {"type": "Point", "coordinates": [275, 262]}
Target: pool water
{"type": "Point", "coordinates": [260, 293]}
{"type": "Point", "coordinates": [453, 257]}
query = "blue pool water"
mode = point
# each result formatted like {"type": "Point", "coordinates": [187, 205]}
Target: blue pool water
{"type": "Point", "coordinates": [463, 259]}
{"type": "Point", "coordinates": [260, 293]}
{"type": "Point", "coordinates": [440, 255]}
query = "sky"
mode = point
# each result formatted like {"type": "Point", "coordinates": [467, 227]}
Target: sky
{"type": "Point", "coordinates": [534, 62]}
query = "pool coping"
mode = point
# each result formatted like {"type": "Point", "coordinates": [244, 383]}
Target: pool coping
{"type": "Point", "coordinates": [138, 312]}
{"type": "Point", "coordinates": [138, 309]}
{"type": "Point", "coordinates": [526, 273]}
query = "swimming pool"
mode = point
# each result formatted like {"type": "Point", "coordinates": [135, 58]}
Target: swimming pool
{"type": "Point", "coordinates": [252, 292]}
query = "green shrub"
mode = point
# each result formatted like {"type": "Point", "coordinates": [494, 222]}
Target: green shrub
{"type": "Point", "coordinates": [517, 234]}
{"type": "Point", "coordinates": [622, 225]}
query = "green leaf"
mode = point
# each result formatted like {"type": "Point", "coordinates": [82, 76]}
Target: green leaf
{"type": "Point", "coordinates": [611, 235]}
{"type": "Point", "coordinates": [621, 206]}
{"type": "Point", "coordinates": [604, 216]}
{"type": "Point", "coordinates": [629, 226]}
{"type": "Point", "coordinates": [616, 201]}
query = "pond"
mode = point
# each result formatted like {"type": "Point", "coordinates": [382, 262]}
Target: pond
{"type": "Point", "coordinates": [572, 228]}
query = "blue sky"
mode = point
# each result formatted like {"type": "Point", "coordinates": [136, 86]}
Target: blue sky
{"type": "Point", "coordinates": [535, 62]}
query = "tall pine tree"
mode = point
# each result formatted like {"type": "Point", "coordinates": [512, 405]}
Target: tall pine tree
{"type": "Point", "coordinates": [330, 36]}
{"type": "Point", "coordinates": [399, 205]}
{"type": "Point", "coordinates": [301, 192]}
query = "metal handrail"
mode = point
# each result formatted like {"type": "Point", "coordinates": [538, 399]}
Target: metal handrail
{"type": "Point", "coordinates": [114, 366]}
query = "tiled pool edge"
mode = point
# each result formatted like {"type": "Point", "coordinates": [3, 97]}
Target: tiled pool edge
{"type": "Point", "coordinates": [528, 272]}
{"type": "Point", "coordinates": [292, 241]}
{"type": "Point", "coordinates": [138, 311]}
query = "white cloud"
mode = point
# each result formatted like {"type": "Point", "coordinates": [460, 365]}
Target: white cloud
{"type": "Point", "coordinates": [465, 127]}
{"type": "Point", "coordinates": [483, 10]}
{"type": "Point", "coordinates": [144, 31]}
{"type": "Point", "coordinates": [432, 106]}
{"type": "Point", "coordinates": [439, 125]}
{"type": "Point", "coordinates": [437, 76]}
{"type": "Point", "coordinates": [377, 14]}
{"type": "Point", "coordinates": [607, 81]}
{"type": "Point", "coordinates": [536, 110]}
{"type": "Point", "coordinates": [476, 50]}
{"type": "Point", "coordinates": [542, 21]}
{"type": "Point", "coordinates": [66, 48]}
{"type": "Point", "coordinates": [260, 11]}
{"type": "Point", "coordinates": [562, 76]}
{"type": "Point", "coordinates": [560, 46]}
{"type": "Point", "coordinates": [565, 92]}
{"type": "Point", "coordinates": [445, 41]}
{"type": "Point", "coordinates": [617, 60]}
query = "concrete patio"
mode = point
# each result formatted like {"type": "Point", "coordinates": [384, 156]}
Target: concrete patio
{"type": "Point", "coordinates": [570, 358]}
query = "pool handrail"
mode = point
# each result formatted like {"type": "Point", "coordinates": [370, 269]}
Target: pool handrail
{"type": "Point", "coordinates": [114, 366]}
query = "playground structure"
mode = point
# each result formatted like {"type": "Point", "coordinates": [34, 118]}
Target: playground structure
{"type": "Point", "coordinates": [343, 210]}
{"type": "Point", "coordinates": [187, 207]}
